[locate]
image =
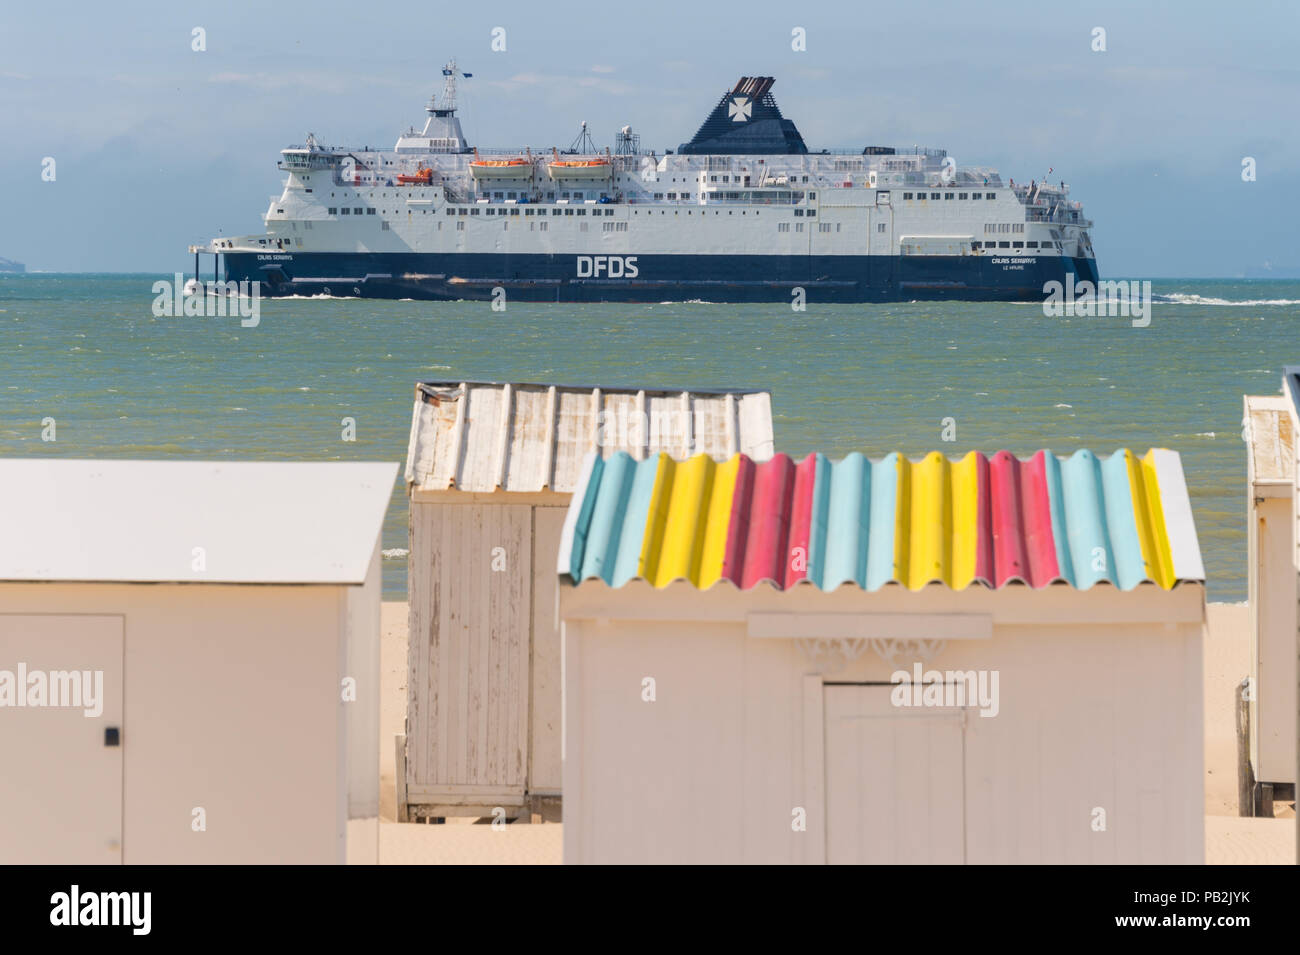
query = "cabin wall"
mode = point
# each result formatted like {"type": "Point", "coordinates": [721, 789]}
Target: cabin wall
{"type": "Point", "coordinates": [231, 705]}
{"type": "Point", "coordinates": [468, 654]}
{"type": "Point", "coordinates": [483, 690]}
{"type": "Point", "coordinates": [1289, 726]}
{"type": "Point", "coordinates": [545, 768]}
{"type": "Point", "coordinates": [361, 608]}
{"type": "Point", "coordinates": [1097, 726]}
{"type": "Point", "coordinates": [1271, 583]}
{"type": "Point", "coordinates": [1273, 590]}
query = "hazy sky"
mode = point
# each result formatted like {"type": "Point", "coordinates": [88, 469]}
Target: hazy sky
{"type": "Point", "coordinates": [158, 146]}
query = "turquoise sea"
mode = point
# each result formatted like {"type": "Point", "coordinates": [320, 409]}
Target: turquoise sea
{"type": "Point", "coordinates": [86, 350]}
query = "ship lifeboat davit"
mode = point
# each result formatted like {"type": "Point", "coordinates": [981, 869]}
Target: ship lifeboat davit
{"type": "Point", "coordinates": [580, 169]}
{"type": "Point", "coordinates": [515, 168]}
{"type": "Point", "coordinates": [422, 176]}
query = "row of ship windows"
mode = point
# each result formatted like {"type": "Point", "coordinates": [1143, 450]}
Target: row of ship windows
{"type": "Point", "coordinates": [746, 179]}
{"type": "Point", "coordinates": [546, 226]}
{"type": "Point", "coordinates": [528, 212]}
{"type": "Point", "coordinates": [452, 211]}
{"type": "Point", "coordinates": [989, 227]}
{"type": "Point", "coordinates": [952, 195]}
{"type": "Point", "coordinates": [334, 211]}
{"type": "Point", "coordinates": [658, 195]}
{"type": "Point", "coordinates": [551, 196]}
{"type": "Point", "coordinates": [780, 180]}
{"type": "Point", "coordinates": [781, 227]}
{"type": "Point", "coordinates": [518, 194]}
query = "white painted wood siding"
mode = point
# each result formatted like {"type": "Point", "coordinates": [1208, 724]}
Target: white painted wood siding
{"type": "Point", "coordinates": [545, 767]}
{"type": "Point", "coordinates": [894, 780]}
{"type": "Point", "coordinates": [1101, 713]}
{"type": "Point", "coordinates": [468, 658]}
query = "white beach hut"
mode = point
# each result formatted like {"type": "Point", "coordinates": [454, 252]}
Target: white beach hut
{"type": "Point", "coordinates": [1270, 428]}
{"type": "Point", "coordinates": [189, 661]}
{"type": "Point", "coordinates": [490, 471]}
{"type": "Point", "coordinates": [983, 660]}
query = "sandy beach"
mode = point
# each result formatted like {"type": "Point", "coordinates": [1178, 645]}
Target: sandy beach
{"type": "Point", "coordinates": [1229, 839]}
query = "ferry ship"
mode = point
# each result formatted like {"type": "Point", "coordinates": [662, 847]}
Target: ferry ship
{"type": "Point", "coordinates": [743, 212]}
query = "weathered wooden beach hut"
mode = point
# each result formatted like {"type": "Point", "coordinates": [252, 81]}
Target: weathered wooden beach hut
{"type": "Point", "coordinates": [1270, 427]}
{"type": "Point", "coordinates": [490, 471]}
{"type": "Point", "coordinates": [982, 660]}
{"type": "Point", "coordinates": [189, 661]}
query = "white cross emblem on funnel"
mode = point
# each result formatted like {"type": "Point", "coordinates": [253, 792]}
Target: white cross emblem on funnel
{"type": "Point", "coordinates": [740, 109]}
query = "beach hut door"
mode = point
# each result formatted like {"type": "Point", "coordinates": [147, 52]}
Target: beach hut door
{"type": "Point", "coordinates": [894, 779]}
{"type": "Point", "coordinates": [62, 737]}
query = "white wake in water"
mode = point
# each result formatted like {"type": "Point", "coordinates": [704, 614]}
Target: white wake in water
{"type": "Point", "coordinates": [1178, 298]}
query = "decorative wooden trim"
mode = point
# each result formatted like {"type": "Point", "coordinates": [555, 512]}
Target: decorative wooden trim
{"type": "Point", "coordinates": [896, 652]}
{"type": "Point", "coordinates": [831, 654]}
{"type": "Point", "coordinates": [858, 627]}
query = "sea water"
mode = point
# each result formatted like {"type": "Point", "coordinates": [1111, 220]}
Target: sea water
{"type": "Point", "coordinates": [120, 382]}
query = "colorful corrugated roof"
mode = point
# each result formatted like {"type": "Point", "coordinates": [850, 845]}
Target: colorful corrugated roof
{"type": "Point", "coordinates": [988, 519]}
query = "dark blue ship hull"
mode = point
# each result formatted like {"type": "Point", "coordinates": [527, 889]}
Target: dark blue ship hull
{"type": "Point", "coordinates": [657, 278]}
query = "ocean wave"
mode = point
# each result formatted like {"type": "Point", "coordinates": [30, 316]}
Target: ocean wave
{"type": "Point", "coordinates": [395, 553]}
{"type": "Point", "coordinates": [1179, 298]}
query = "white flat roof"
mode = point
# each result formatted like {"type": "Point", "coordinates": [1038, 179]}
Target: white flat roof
{"type": "Point", "coordinates": [141, 521]}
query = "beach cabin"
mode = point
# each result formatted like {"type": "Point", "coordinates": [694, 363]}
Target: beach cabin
{"type": "Point", "coordinates": [982, 660]}
{"type": "Point", "coordinates": [189, 661]}
{"type": "Point", "coordinates": [490, 470]}
{"type": "Point", "coordinates": [1270, 427]}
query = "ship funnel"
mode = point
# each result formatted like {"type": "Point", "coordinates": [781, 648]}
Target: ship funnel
{"type": "Point", "coordinates": [746, 120]}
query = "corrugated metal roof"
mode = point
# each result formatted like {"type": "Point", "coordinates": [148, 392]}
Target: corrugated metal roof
{"type": "Point", "coordinates": [484, 436]}
{"type": "Point", "coordinates": [992, 520]}
{"type": "Point", "coordinates": [141, 521]}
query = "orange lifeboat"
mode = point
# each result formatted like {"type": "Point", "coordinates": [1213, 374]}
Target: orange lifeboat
{"type": "Point", "coordinates": [580, 169]}
{"type": "Point", "coordinates": [422, 176]}
{"type": "Point", "coordinates": [515, 167]}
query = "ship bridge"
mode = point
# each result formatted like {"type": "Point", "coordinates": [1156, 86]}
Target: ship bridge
{"type": "Point", "coordinates": [311, 155]}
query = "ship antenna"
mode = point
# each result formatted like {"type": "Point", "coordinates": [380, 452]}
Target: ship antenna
{"type": "Point", "coordinates": [449, 85]}
{"type": "Point", "coordinates": [584, 143]}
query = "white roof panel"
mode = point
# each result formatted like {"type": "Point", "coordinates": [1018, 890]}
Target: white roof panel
{"type": "Point", "coordinates": [488, 436]}
{"type": "Point", "coordinates": [190, 521]}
